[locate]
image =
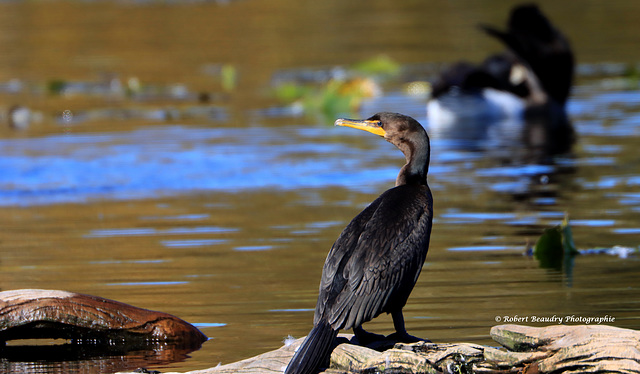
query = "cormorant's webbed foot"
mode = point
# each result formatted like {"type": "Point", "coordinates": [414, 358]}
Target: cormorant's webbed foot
{"type": "Point", "coordinates": [401, 334]}
{"type": "Point", "coordinates": [404, 337]}
{"type": "Point", "coordinates": [365, 337]}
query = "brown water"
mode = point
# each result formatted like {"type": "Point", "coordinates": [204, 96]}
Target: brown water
{"type": "Point", "coordinates": [222, 213]}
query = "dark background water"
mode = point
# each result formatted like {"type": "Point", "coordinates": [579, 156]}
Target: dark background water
{"type": "Point", "coordinates": [146, 177]}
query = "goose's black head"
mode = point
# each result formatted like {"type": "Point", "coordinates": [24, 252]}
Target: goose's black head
{"type": "Point", "coordinates": [533, 38]}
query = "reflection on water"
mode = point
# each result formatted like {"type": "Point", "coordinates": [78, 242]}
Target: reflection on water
{"type": "Point", "coordinates": [225, 220]}
{"type": "Point", "coordinates": [175, 159]}
{"type": "Point", "coordinates": [72, 358]}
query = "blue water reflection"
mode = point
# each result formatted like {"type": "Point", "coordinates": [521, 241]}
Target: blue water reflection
{"type": "Point", "coordinates": [160, 161]}
{"type": "Point", "coordinates": [191, 243]}
{"type": "Point", "coordinates": [142, 231]}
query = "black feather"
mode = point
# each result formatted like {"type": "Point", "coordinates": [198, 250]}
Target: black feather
{"type": "Point", "coordinates": [375, 262]}
{"type": "Point", "coordinates": [314, 352]}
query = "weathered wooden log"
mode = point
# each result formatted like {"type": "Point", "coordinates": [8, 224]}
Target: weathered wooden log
{"type": "Point", "coordinates": [528, 350]}
{"type": "Point", "coordinates": [575, 349]}
{"type": "Point", "coordinates": [29, 314]}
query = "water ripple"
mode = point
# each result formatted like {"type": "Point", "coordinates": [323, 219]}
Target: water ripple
{"type": "Point", "coordinates": [161, 161]}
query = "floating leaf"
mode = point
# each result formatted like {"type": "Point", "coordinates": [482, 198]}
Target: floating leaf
{"type": "Point", "coordinates": [379, 65]}
{"type": "Point", "coordinates": [290, 92]}
{"type": "Point", "coordinates": [229, 77]}
{"type": "Point", "coordinates": [549, 250]}
{"type": "Point", "coordinates": [555, 249]}
{"type": "Point", "coordinates": [332, 99]}
{"type": "Point", "coordinates": [56, 86]}
{"type": "Point", "coordinates": [338, 93]}
{"type": "Point", "coordinates": [134, 87]}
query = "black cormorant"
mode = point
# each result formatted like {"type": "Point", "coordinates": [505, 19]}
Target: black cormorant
{"type": "Point", "coordinates": [375, 262]}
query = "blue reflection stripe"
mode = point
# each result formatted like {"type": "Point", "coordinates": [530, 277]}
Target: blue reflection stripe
{"type": "Point", "coordinates": [159, 283]}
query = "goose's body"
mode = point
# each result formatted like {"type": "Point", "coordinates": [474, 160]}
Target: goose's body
{"type": "Point", "coordinates": [532, 79]}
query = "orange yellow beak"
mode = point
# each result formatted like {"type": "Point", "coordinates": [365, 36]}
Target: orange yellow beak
{"type": "Point", "coordinates": [372, 126]}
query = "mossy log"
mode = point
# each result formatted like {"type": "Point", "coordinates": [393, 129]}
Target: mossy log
{"type": "Point", "coordinates": [526, 350]}
{"type": "Point", "coordinates": [33, 314]}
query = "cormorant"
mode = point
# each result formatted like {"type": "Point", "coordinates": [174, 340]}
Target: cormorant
{"type": "Point", "coordinates": [375, 262]}
{"type": "Point", "coordinates": [531, 80]}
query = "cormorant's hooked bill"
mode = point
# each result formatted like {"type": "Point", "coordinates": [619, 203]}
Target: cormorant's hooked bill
{"type": "Point", "coordinates": [372, 126]}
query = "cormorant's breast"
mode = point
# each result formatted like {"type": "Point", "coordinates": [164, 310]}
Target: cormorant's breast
{"type": "Point", "coordinates": [375, 262]}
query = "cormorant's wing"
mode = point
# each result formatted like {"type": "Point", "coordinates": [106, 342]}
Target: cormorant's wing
{"type": "Point", "coordinates": [375, 262]}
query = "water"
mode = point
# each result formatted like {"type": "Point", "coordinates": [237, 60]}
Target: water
{"type": "Point", "coordinates": [145, 179]}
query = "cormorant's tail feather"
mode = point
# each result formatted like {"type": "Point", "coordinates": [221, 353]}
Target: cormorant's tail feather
{"type": "Point", "coordinates": [314, 351]}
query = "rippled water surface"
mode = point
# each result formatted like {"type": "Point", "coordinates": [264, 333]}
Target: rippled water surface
{"type": "Point", "coordinates": [146, 176]}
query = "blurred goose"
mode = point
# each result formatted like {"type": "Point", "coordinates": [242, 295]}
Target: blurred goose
{"type": "Point", "coordinates": [532, 79]}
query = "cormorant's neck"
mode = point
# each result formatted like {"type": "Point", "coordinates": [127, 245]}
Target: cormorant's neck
{"type": "Point", "coordinates": [417, 154]}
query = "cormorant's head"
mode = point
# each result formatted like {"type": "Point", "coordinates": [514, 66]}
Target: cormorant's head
{"type": "Point", "coordinates": [396, 128]}
{"type": "Point", "coordinates": [402, 131]}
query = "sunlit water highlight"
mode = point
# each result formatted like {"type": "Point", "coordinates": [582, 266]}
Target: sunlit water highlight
{"type": "Point", "coordinates": [166, 161]}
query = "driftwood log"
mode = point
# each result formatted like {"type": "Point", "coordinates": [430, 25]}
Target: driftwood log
{"type": "Point", "coordinates": [31, 314]}
{"type": "Point", "coordinates": [554, 349]}
{"type": "Point", "coordinates": [526, 350]}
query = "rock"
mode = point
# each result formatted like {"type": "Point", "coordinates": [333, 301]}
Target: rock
{"type": "Point", "coordinates": [528, 350]}
{"type": "Point", "coordinates": [29, 314]}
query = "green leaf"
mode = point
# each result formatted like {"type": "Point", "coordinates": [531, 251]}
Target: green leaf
{"type": "Point", "coordinates": [229, 77]}
{"type": "Point", "coordinates": [379, 65]}
{"type": "Point", "coordinates": [555, 247]}
{"type": "Point", "coordinates": [549, 250]}
{"type": "Point", "coordinates": [56, 86]}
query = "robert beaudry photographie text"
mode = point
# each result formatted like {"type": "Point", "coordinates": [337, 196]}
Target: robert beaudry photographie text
{"type": "Point", "coordinates": [556, 319]}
